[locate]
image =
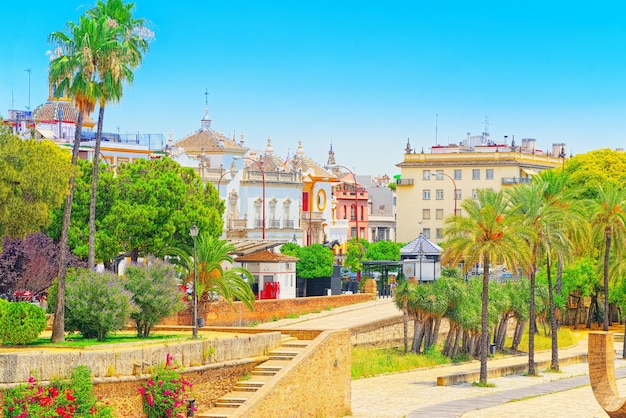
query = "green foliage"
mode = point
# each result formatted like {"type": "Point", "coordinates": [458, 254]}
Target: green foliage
{"type": "Point", "coordinates": [21, 323]}
{"type": "Point", "coordinates": [384, 250]}
{"type": "Point", "coordinates": [28, 193]}
{"type": "Point", "coordinates": [95, 303]}
{"type": "Point", "coordinates": [154, 287]}
{"type": "Point", "coordinates": [368, 362]}
{"type": "Point", "coordinates": [166, 393]}
{"type": "Point", "coordinates": [355, 253]}
{"type": "Point", "coordinates": [62, 398]}
{"type": "Point", "coordinates": [588, 171]}
{"type": "Point", "coordinates": [314, 260]}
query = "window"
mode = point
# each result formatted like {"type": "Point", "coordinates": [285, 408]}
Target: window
{"type": "Point", "coordinates": [439, 194]}
{"type": "Point", "coordinates": [426, 232]}
{"type": "Point", "coordinates": [457, 175]}
{"type": "Point", "coordinates": [426, 175]}
{"type": "Point", "coordinates": [439, 213]}
{"type": "Point", "coordinates": [474, 194]}
{"type": "Point", "coordinates": [353, 232]}
{"type": "Point", "coordinates": [458, 212]}
{"type": "Point", "coordinates": [439, 174]}
{"type": "Point", "coordinates": [426, 194]}
{"type": "Point", "coordinates": [439, 233]}
{"type": "Point", "coordinates": [425, 213]}
{"type": "Point", "coordinates": [475, 174]}
{"type": "Point", "coordinates": [489, 174]}
{"type": "Point", "coordinates": [458, 194]}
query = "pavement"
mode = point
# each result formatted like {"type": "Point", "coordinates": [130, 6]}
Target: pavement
{"type": "Point", "coordinates": [414, 394]}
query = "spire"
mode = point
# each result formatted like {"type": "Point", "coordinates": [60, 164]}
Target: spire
{"type": "Point", "coordinates": [331, 156]}
{"type": "Point", "coordinates": [300, 151]}
{"type": "Point", "coordinates": [205, 124]}
{"type": "Point", "coordinates": [241, 141]}
{"type": "Point", "coordinates": [269, 150]}
{"type": "Point", "coordinates": [407, 150]}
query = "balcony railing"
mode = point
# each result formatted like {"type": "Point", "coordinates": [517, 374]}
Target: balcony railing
{"type": "Point", "coordinates": [237, 224]}
{"type": "Point", "coordinates": [289, 224]}
{"type": "Point", "coordinates": [258, 223]}
{"type": "Point", "coordinates": [404, 182]}
{"type": "Point", "coordinates": [515, 180]}
{"type": "Point", "coordinates": [275, 223]}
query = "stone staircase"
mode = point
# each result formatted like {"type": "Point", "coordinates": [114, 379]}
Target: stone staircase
{"type": "Point", "coordinates": [262, 374]}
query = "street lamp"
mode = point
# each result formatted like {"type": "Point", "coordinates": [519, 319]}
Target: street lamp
{"type": "Point", "coordinates": [263, 198]}
{"type": "Point", "coordinates": [454, 184]}
{"type": "Point", "coordinates": [562, 156]}
{"type": "Point", "coordinates": [219, 182]}
{"type": "Point", "coordinates": [194, 234]}
{"type": "Point", "coordinates": [420, 254]}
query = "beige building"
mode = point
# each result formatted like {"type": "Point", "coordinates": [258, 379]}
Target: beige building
{"type": "Point", "coordinates": [432, 185]}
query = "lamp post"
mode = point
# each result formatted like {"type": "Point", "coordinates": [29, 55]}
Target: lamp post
{"type": "Point", "coordinates": [194, 234]}
{"type": "Point", "coordinates": [219, 182]}
{"type": "Point", "coordinates": [263, 192]}
{"type": "Point", "coordinates": [454, 184]}
{"type": "Point", "coordinates": [562, 156]}
{"type": "Point", "coordinates": [420, 254]}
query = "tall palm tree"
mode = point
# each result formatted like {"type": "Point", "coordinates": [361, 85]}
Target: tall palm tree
{"type": "Point", "coordinates": [608, 223]}
{"type": "Point", "coordinates": [489, 234]}
{"type": "Point", "coordinates": [114, 64]}
{"type": "Point", "coordinates": [401, 298]}
{"type": "Point", "coordinates": [71, 71]}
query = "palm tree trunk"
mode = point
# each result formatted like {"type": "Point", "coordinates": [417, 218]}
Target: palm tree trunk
{"type": "Point", "coordinates": [532, 319]}
{"type": "Point", "coordinates": [484, 322]}
{"type": "Point", "coordinates": [517, 335]}
{"type": "Point", "coordinates": [594, 302]}
{"type": "Point", "coordinates": [607, 248]}
{"type": "Point", "coordinates": [58, 326]}
{"type": "Point", "coordinates": [577, 313]}
{"type": "Point", "coordinates": [455, 345]}
{"type": "Point", "coordinates": [624, 341]}
{"type": "Point", "coordinates": [553, 326]}
{"type": "Point", "coordinates": [558, 285]}
{"type": "Point", "coordinates": [405, 323]}
{"type": "Point", "coordinates": [91, 257]}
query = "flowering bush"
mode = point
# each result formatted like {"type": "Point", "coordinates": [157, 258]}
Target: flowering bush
{"type": "Point", "coordinates": [63, 399]}
{"type": "Point", "coordinates": [166, 394]}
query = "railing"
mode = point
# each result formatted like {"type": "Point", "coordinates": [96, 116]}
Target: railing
{"type": "Point", "coordinates": [404, 182]}
{"type": "Point", "coordinates": [275, 223]}
{"type": "Point", "coordinates": [237, 224]}
{"type": "Point", "coordinates": [313, 216]}
{"type": "Point", "coordinates": [515, 180]}
{"type": "Point", "coordinates": [258, 223]}
{"type": "Point", "coordinates": [289, 224]}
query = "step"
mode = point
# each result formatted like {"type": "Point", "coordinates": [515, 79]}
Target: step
{"type": "Point", "coordinates": [295, 344]}
{"type": "Point", "coordinates": [216, 413]}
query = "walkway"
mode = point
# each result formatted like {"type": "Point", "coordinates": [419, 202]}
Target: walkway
{"type": "Point", "coordinates": [414, 394]}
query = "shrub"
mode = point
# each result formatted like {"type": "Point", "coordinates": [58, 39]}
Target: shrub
{"type": "Point", "coordinates": [95, 303]}
{"type": "Point", "coordinates": [21, 322]}
{"type": "Point", "coordinates": [73, 398]}
{"type": "Point", "coordinates": [154, 287]}
{"type": "Point", "coordinates": [165, 394]}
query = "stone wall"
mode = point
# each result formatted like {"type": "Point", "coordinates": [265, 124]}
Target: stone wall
{"type": "Point", "coordinates": [221, 313]}
{"type": "Point", "coordinates": [316, 385]}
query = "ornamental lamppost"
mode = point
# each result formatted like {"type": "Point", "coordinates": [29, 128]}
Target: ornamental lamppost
{"type": "Point", "coordinates": [194, 234]}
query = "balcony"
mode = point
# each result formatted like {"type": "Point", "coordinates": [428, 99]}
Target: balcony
{"type": "Point", "coordinates": [237, 224]}
{"type": "Point", "coordinates": [404, 182]}
{"type": "Point", "coordinates": [515, 180]}
{"type": "Point", "coordinates": [274, 223]}
{"type": "Point", "coordinates": [289, 224]}
{"type": "Point", "coordinates": [258, 223]}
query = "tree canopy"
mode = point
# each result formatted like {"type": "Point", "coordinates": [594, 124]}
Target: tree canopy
{"type": "Point", "coordinates": [314, 260]}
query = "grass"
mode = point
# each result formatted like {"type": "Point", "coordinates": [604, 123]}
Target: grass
{"type": "Point", "coordinates": [370, 362]}
{"type": "Point", "coordinates": [544, 342]}
{"type": "Point", "coordinates": [77, 340]}
{"type": "Point", "coordinates": [292, 316]}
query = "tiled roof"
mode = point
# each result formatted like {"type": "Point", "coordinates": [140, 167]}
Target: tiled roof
{"type": "Point", "coordinates": [207, 140]}
{"type": "Point", "coordinates": [49, 113]}
{"type": "Point", "coordinates": [307, 165]}
{"type": "Point", "coordinates": [266, 256]}
{"type": "Point", "coordinates": [427, 247]}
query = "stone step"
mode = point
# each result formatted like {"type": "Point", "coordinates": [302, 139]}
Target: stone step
{"type": "Point", "coordinates": [295, 343]}
{"type": "Point", "coordinates": [216, 413]}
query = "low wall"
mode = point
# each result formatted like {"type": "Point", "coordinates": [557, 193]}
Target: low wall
{"type": "Point", "coordinates": [220, 313]}
{"type": "Point", "coordinates": [132, 360]}
{"type": "Point", "coordinates": [315, 384]}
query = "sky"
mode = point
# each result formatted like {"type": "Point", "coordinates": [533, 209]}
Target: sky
{"type": "Point", "coordinates": [364, 76]}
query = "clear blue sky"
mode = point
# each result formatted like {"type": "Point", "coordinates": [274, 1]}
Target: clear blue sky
{"type": "Point", "coordinates": [365, 75]}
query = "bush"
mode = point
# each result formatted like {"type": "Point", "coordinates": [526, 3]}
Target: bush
{"type": "Point", "coordinates": [165, 394]}
{"type": "Point", "coordinates": [95, 303]}
{"type": "Point", "coordinates": [21, 322]}
{"type": "Point", "coordinates": [60, 399]}
{"type": "Point", "coordinates": [154, 287]}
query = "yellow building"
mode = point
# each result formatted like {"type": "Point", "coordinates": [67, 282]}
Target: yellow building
{"type": "Point", "coordinates": [432, 185]}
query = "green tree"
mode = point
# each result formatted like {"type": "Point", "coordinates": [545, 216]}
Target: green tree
{"type": "Point", "coordinates": [608, 223]}
{"type": "Point", "coordinates": [383, 250]}
{"type": "Point", "coordinates": [157, 202]}
{"type": "Point", "coordinates": [313, 261]}
{"type": "Point", "coordinates": [71, 71]}
{"type": "Point", "coordinates": [355, 253]}
{"type": "Point", "coordinates": [28, 194]}
{"type": "Point", "coordinates": [114, 66]}
{"type": "Point", "coordinates": [490, 234]}
{"type": "Point", "coordinates": [154, 286]}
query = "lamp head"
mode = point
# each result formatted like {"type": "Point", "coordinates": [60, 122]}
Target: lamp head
{"type": "Point", "coordinates": [193, 231]}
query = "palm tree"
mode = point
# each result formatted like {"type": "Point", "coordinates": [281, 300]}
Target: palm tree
{"type": "Point", "coordinates": [401, 299]}
{"type": "Point", "coordinates": [489, 234]}
{"type": "Point", "coordinates": [115, 63]}
{"type": "Point", "coordinates": [214, 275]}
{"type": "Point", "coordinates": [608, 223]}
{"type": "Point", "coordinates": [71, 71]}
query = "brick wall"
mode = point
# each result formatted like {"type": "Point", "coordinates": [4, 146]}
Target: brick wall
{"type": "Point", "coordinates": [220, 313]}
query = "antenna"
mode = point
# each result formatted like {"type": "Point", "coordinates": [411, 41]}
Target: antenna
{"type": "Point", "coordinates": [206, 99]}
{"type": "Point", "coordinates": [436, 128]}
{"type": "Point", "coordinates": [28, 71]}
{"type": "Point", "coordinates": [487, 124]}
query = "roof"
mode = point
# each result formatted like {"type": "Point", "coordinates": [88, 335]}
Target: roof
{"type": "Point", "coordinates": [207, 140]}
{"type": "Point", "coordinates": [244, 247]}
{"type": "Point", "coordinates": [49, 113]}
{"type": "Point", "coordinates": [267, 257]}
{"type": "Point", "coordinates": [422, 243]}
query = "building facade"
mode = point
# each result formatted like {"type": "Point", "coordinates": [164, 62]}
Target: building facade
{"type": "Point", "coordinates": [433, 185]}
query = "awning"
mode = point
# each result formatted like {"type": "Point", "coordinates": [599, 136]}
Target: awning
{"type": "Point", "coordinates": [46, 133]}
{"type": "Point", "coordinates": [244, 247]}
{"type": "Point", "coordinates": [530, 172]}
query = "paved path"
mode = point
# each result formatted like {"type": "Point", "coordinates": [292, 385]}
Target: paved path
{"type": "Point", "coordinates": [415, 394]}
